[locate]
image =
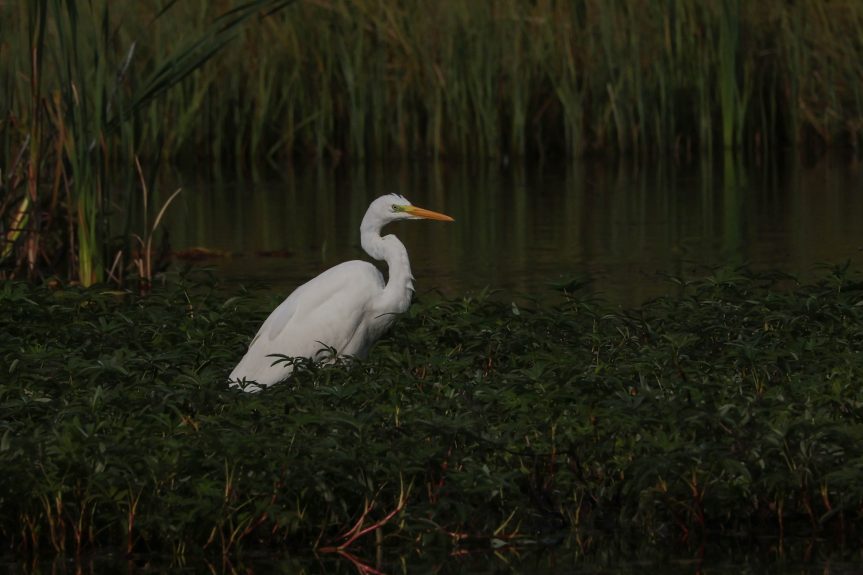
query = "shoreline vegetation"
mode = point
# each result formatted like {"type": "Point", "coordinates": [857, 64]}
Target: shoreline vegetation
{"type": "Point", "coordinates": [733, 407]}
{"type": "Point", "coordinates": [96, 96]}
{"type": "Point", "coordinates": [452, 78]}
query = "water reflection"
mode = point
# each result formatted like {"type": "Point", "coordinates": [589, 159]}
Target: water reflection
{"type": "Point", "coordinates": [521, 228]}
{"type": "Point", "coordinates": [576, 554]}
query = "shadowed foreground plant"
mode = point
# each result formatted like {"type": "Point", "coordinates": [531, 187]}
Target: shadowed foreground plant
{"type": "Point", "coordinates": [734, 407]}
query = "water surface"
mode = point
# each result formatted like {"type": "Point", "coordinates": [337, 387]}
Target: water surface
{"type": "Point", "coordinates": [620, 226]}
{"type": "Point", "coordinates": [719, 556]}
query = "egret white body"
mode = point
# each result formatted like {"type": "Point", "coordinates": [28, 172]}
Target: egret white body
{"type": "Point", "coordinates": [346, 308]}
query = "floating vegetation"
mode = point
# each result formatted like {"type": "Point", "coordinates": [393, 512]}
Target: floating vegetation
{"type": "Point", "coordinates": [733, 406]}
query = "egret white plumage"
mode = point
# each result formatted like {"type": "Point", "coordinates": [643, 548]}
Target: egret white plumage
{"type": "Point", "coordinates": [346, 308]}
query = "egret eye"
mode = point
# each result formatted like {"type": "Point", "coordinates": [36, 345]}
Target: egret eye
{"type": "Point", "coordinates": [396, 208]}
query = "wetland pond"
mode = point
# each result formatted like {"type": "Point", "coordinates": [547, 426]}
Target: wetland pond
{"type": "Point", "coordinates": [619, 228]}
{"type": "Point", "coordinates": [518, 230]}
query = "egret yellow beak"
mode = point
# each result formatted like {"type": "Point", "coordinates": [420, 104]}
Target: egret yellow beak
{"type": "Point", "coordinates": [427, 214]}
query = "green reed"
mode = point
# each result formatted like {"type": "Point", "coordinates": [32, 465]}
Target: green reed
{"type": "Point", "coordinates": [88, 87]}
{"type": "Point", "coordinates": [731, 407]}
{"type": "Point", "coordinates": [71, 126]}
{"type": "Point", "coordinates": [511, 78]}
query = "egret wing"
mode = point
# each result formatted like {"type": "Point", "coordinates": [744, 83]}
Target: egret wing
{"type": "Point", "coordinates": [329, 311]}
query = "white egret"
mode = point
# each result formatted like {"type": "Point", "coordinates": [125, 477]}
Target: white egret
{"type": "Point", "coordinates": [346, 308]}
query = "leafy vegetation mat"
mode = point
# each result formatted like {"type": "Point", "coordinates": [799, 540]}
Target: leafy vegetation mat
{"type": "Point", "coordinates": [732, 406]}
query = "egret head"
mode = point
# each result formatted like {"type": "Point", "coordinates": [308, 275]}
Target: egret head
{"type": "Point", "coordinates": [393, 207]}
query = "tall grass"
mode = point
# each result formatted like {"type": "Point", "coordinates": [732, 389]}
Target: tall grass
{"type": "Point", "coordinates": [509, 77]}
{"type": "Point", "coordinates": [86, 87]}
{"type": "Point", "coordinates": [71, 123]}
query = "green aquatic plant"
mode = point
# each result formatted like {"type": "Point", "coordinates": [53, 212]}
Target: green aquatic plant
{"type": "Point", "coordinates": [456, 79]}
{"type": "Point", "coordinates": [733, 406]}
{"type": "Point", "coordinates": [85, 88]}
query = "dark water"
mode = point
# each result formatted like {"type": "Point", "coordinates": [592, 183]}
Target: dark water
{"type": "Point", "coordinates": [622, 227]}
{"type": "Point", "coordinates": [574, 556]}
